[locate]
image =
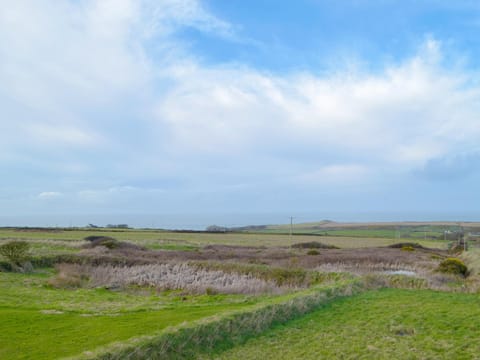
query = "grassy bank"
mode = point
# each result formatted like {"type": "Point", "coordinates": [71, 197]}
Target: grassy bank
{"type": "Point", "coordinates": [383, 324]}
{"type": "Point", "coordinates": [222, 332]}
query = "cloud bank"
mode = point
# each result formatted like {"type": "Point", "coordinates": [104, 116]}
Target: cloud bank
{"type": "Point", "coordinates": [106, 103]}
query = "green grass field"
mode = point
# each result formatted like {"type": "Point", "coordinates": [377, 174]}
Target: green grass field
{"type": "Point", "coordinates": [40, 322]}
{"type": "Point", "coordinates": [68, 241]}
{"type": "Point", "coordinates": [385, 324]}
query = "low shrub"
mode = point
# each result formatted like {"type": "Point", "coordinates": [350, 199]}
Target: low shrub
{"type": "Point", "coordinates": [16, 252]}
{"type": "Point", "coordinates": [94, 238]}
{"type": "Point", "coordinates": [69, 276]}
{"type": "Point", "coordinates": [52, 260]}
{"type": "Point", "coordinates": [109, 243]}
{"type": "Point", "coordinates": [106, 241]}
{"type": "Point", "coordinates": [456, 248]}
{"type": "Point", "coordinates": [210, 291]}
{"type": "Point", "coordinates": [453, 266]}
{"type": "Point", "coordinates": [407, 248]}
{"type": "Point", "coordinates": [406, 244]}
{"type": "Point", "coordinates": [313, 245]}
{"type": "Point", "coordinates": [313, 252]}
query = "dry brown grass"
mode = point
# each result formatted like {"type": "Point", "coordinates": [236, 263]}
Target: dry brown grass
{"type": "Point", "coordinates": [273, 256]}
{"type": "Point", "coordinates": [163, 277]}
{"type": "Point", "coordinates": [69, 276]}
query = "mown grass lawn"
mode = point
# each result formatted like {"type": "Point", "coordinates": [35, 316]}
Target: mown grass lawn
{"type": "Point", "coordinates": [40, 322]}
{"type": "Point", "coordinates": [384, 324]}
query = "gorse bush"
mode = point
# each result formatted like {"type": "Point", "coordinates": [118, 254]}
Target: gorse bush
{"type": "Point", "coordinates": [453, 266]}
{"type": "Point", "coordinates": [16, 252]}
{"type": "Point", "coordinates": [407, 248]}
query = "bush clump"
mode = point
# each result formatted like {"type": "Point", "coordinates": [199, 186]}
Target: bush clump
{"type": "Point", "coordinates": [313, 252]}
{"type": "Point", "coordinates": [407, 248]}
{"type": "Point", "coordinates": [406, 244]}
{"type": "Point", "coordinates": [106, 241]}
{"type": "Point", "coordinates": [453, 266]}
{"type": "Point", "coordinates": [110, 243]}
{"type": "Point", "coordinates": [16, 252]}
{"type": "Point", "coordinates": [313, 245]}
{"type": "Point", "coordinates": [69, 276]}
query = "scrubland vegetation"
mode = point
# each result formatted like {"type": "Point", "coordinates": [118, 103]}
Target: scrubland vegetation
{"type": "Point", "coordinates": [122, 293]}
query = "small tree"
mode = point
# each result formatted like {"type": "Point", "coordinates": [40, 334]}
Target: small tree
{"type": "Point", "coordinates": [16, 252]}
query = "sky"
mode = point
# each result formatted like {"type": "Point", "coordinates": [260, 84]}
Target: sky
{"type": "Point", "coordinates": [239, 106]}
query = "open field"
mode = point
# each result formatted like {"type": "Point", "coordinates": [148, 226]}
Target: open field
{"type": "Point", "coordinates": [399, 225]}
{"type": "Point", "coordinates": [387, 230]}
{"type": "Point", "coordinates": [62, 241]}
{"type": "Point", "coordinates": [385, 324]}
{"type": "Point", "coordinates": [152, 293]}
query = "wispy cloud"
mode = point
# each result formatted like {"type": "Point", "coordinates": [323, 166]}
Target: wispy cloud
{"type": "Point", "coordinates": [48, 195]}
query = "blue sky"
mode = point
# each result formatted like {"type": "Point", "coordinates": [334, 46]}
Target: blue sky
{"type": "Point", "coordinates": [189, 106]}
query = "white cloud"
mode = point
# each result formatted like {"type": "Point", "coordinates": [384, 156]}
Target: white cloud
{"type": "Point", "coordinates": [62, 62]}
{"type": "Point", "coordinates": [399, 118]}
{"type": "Point", "coordinates": [169, 14]}
{"type": "Point", "coordinates": [55, 135]}
{"type": "Point", "coordinates": [48, 195]}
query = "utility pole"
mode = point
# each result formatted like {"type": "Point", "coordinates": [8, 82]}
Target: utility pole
{"type": "Point", "coordinates": [291, 227]}
{"type": "Point", "coordinates": [460, 235]}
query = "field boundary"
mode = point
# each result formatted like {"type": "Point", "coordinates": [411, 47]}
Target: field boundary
{"type": "Point", "coordinates": [217, 333]}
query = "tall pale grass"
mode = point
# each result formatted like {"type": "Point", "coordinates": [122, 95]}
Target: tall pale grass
{"type": "Point", "coordinates": [171, 277]}
{"type": "Point", "coordinates": [362, 268]}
